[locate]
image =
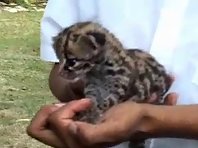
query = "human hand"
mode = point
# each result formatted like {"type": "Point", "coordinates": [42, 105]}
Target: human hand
{"type": "Point", "coordinates": [121, 123]}
{"type": "Point", "coordinates": [40, 128]}
{"type": "Point", "coordinates": [116, 126]}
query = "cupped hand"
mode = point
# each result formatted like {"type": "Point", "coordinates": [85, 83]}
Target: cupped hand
{"type": "Point", "coordinates": [118, 124]}
{"type": "Point", "coordinates": [41, 129]}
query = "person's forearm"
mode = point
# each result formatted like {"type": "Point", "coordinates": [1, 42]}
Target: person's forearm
{"type": "Point", "coordinates": [170, 121]}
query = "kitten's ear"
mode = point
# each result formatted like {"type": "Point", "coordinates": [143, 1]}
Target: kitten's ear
{"type": "Point", "coordinates": [99, 37]}
{"type": "Point", "coordinates": [54, 38]}
{"type": "Point", "coordinates": [57, 42]}
{"type": "Point", "coordinates": [61, 33]}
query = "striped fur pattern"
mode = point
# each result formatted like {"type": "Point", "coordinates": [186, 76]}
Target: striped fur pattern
{"type": "Point", "coordinates": [112, 75]}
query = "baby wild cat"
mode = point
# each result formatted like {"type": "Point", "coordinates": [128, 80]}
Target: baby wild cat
{"type": "Point", "coordinates": [111, 74]}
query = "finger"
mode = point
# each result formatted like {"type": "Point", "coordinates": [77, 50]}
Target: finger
{"type": "Point", "coordinates": [170, 79]}
{"type": "Point", "coordinates": [152, 98]}
{"type": "Point", "coordinates": [69, 110]}
{"type": "Point", "coordinates": [61, 118]}
{"type": "Point", "coordinates": [37, 128]}
{"type": "Point", "coordinates": [39, 120]}
{"type": "Point", "coordinates": [48, 137]}
{"type": "Point", "coordinates": [171, 99]}
{"type": "Point", "coordinates": [78, 105]}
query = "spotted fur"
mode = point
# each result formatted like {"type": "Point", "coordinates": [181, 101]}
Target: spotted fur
{"type": "Point", "coordinates": [111, 74]}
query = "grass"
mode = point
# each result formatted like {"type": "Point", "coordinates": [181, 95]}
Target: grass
{"type": "Point", "coordinates": [23, 77]}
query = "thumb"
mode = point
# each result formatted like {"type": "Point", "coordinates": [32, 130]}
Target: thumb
{"type": "Point", "coordinates": [78, 105]}
{"type": "Point", "coordinates": [171, 99]}
{"type": "Point", "coordinates": [73, 107]}
{"type": "Point", "coordinates": [69, 110]}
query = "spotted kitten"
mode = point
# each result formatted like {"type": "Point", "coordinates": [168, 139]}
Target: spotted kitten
{"type": "Point", "coordinates": [111, 74]}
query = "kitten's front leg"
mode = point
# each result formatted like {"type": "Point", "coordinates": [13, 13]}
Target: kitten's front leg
{"type": "Point", "coordinates": [92, 92]}
{"type": "Point", "coordinates": [108, 102]}
{"type": "Point", "coordinates": [93, 114]}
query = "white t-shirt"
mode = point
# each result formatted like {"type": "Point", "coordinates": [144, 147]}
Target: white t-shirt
{"type": "Point", "coordinates": [168, 29]}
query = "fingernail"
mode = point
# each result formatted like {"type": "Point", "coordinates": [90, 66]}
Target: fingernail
{"type": "Point", "coordinates": [85, 100]}
{"type": "Point", "coordinates": [59, 104]}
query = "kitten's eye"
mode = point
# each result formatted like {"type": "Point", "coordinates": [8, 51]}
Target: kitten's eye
{"type": "Point", "coordinates": [71, 62]}
{"type": "Point", "coordinates": [75, 37]}
{"type": "Point", "coordinates": [86, 65]}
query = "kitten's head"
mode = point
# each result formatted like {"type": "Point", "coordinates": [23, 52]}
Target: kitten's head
{"type": "Point", "coordinates": [79, 48]}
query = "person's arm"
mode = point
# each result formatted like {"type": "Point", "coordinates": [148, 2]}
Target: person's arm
{"type": "Point", "coordinates": [126, 121]}
{"type": "Point", "coordinates": [132, 121]}
{"type": "Point", "coordinates": [170, 121]}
